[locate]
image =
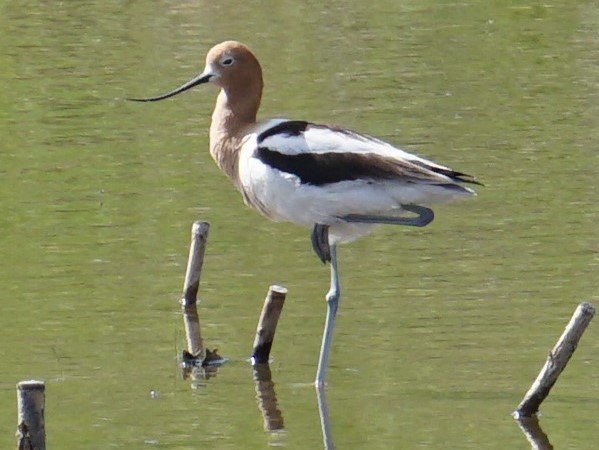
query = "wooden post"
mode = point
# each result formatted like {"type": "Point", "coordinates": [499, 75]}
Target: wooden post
{"type": "Point", "coordinates": [556, 361]}
{"type": "Point", "coordinates": [267, 325]}
{"type": "Point", "coordinates": [199, 236]}
{"type": "Point", "coordinates": [31, 428]}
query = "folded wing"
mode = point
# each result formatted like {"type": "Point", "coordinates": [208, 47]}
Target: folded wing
{"type": "Point", "coordinates": [320, 155]}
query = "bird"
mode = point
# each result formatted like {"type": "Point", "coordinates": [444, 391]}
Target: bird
{"type": "Point", "coordinates": [338, 182]}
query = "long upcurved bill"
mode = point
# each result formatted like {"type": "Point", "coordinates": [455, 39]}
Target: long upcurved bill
{"type": "Point", "coordinates": [202, 78]}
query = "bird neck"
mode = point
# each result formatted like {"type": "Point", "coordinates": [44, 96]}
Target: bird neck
{"type": "Point", "coordinates": [234, 114]}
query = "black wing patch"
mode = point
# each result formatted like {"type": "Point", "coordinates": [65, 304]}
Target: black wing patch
{"type": "Point", "coordinates": [452, 174]}
{"type": "Point", "coordinates": [287, 128]}
{"type": "Point", "coordinates": [325, 168]}
{"type": "Point", "coordinates": [333, 167]}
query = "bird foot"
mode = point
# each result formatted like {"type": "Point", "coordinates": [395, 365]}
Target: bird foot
{"type": "Point", "coordinates": [320, 242]}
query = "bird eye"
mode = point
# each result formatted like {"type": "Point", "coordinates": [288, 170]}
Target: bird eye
{"type": "Point", "coordinates": [227, 62]}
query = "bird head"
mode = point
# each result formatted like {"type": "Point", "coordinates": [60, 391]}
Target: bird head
{"type": "Point", "coordinates": [230, 65]}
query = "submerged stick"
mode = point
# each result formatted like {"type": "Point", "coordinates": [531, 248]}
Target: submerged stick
{"type": "Point", "coordinates": [31, 428]}
{"type": "Point", "coordinates": [199, 236]}
{"type": "Point", "coordinates": [556, 361]}
{"type": "Point", "coordinates": [267, 325]}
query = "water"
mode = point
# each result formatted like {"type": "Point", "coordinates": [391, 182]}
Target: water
{"type": "Point", "coordinates": [440, 330]}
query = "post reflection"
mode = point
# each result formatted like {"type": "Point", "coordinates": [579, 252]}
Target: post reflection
{"type": "Point", "coordinates": [197, 362]}
{"type": "Point", "coordinates": [267, 398]}
{"type": "Point", "coordinates": [534, 433]}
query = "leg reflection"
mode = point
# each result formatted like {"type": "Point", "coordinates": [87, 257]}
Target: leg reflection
{"type": "Point", "coordinates": [323, 411]}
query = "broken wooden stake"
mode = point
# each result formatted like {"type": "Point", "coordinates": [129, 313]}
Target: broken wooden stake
{"type": "Point", "coordinates": [196, 359]}
{"type": "Point", "coordinates": [31, 428]}
{"type": "Point", "coordinates": [556, 361]}
{"type": "Point", "coordinates": [199, 237]}
{"type": "Point", "coordinates": [267, 325]}
{"type": "Point", "coordinates": [191, 319]}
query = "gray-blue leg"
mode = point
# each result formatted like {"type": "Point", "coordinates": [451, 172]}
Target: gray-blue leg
{"type": "Point", "coordinates": [332, 298]}
{"type": "Point", "coordinates": [425, 216]}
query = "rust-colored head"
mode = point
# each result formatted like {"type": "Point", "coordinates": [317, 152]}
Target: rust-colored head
{"type": "Point", "coordinates": [231, 66]}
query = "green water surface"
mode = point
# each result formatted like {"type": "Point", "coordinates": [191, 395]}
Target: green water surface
{"type": "Point", "coordinates": [441, 330]}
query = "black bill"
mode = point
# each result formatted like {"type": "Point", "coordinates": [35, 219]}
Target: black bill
{"type": "Point", "coordinates": [202, 78]}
